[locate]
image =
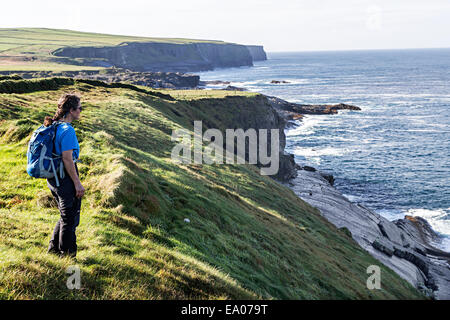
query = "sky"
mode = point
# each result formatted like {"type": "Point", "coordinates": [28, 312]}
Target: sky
{"type": "Point", "coordinates": [282, 25]}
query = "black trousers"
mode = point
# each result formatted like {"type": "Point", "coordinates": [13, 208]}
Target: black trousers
{"type": "Point", "coordinates": [64, 239]}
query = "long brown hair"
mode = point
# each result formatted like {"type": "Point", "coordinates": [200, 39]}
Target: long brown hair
{"type": "Point", "coordinates": [67, 102]}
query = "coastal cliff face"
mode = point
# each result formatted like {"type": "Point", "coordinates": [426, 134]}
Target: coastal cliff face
{"type": "Point", "coordinates": [154, 56]}
{"type": "Point", "coordinates": [256, 113]}
{"type": "Point", "coordinates": [257, 53]}
{"type": "Point", "coordinates": [405, 246]}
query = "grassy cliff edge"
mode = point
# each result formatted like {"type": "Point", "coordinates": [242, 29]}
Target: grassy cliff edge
{"type": "Point", "coordinates": [44, 49]}
{"type": "Point", "coordinates": [249, 237]}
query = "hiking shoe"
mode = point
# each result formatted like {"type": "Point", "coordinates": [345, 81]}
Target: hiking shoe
{"type": "Point", "coordinates": [53, 250]}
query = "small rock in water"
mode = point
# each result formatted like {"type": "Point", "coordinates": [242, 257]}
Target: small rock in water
{"type": "Point", "coordinates": [329, 178]}
{"type": "Point", "coordinates": [232, 88]}
{"type": "Point", "coordinates": [308, 168]}
{"type": "Point", "coordinates": [278, 81]}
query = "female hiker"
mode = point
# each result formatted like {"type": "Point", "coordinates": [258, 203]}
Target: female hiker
{"type": "Point", "coordinates": [68, 194]}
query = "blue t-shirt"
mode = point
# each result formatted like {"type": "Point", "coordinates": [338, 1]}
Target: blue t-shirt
{"type": "Point", "coordinates": [66, 139]}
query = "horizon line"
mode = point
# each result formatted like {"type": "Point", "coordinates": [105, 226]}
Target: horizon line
{"type": "Point", "coordinates": [267, 51]}
{"type": "Point", "coordinates": [371, 49]}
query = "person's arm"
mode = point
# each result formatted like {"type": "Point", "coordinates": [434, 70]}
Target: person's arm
{"type": "Point", "coordinates": [70, 168]}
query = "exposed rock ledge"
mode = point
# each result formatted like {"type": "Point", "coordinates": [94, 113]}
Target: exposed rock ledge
{"type": "Point", "coordinates": [294, 111]}
{"type": "Point", "coordinates": [404, 245]}
{"type": "Point", "coordinates": [171, 80]}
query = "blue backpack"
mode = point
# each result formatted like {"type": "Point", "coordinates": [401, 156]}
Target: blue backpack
{"type": "Point", "coordinates": [41, 161]}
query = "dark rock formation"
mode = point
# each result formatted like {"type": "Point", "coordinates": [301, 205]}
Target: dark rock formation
{"type": "Point", "coordinates": [257, 53]}
{"type": "Point", "coordinates": [14, 76]}
{"type": "Point", "coordinates": [232, 88]}
{"type": "Point", "coordinates": [287, 168]}
{"type": "Point", "coordinates": [212, 82]}
{"type": "Point", "coordinates": [328, 177]}
{"type": "Point", "coordinates": [308, 168]}
{"type": "Point", "coordinates": [278, 81]}
{"type": "Point", "coordinates": [176, 80]}
{"type": "Point", "coordinates": [384, 247]}
{"type": "Point", "coordinates": [419, 229]}
{"type": "Point", "coordinates": [155, 56]}
{"type": "Point", "coordinates": [293, 111]}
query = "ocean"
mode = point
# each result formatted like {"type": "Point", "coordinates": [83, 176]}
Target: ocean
{"type": "Point", "coordinates": [393, 155]}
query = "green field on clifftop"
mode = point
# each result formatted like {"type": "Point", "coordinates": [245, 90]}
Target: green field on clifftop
{"type": "Point", "coordinates": [249, 237]}
{"type": "Point", "coordinates": [25, 49]}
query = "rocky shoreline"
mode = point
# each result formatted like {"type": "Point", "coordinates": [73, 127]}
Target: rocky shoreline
{"type": "Point", "coordinates": [405, 245]}
{"type": "Point", "coordinates": [294, 111]}
{"type": "Point", "coordinates": [172, 80]}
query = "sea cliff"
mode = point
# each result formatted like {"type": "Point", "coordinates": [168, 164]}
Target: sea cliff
{"type": "Point", "coordinates": [154, 56]}
{"type": "Point", "coordinates": [77, 50]}
{"type": "Point", "coordinates": [257, 53]}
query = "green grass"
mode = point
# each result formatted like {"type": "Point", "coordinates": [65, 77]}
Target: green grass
{"type": "Point", "coordinates": [55, 67]}
{"type": "Point", "coordinates": [42, 40]}
{"type": "Point", "coordinates": [248, 238]}
{"type": "Point", "coordinates": [205, 94]}
{"type": "Point", "coordinates": [30, 49]}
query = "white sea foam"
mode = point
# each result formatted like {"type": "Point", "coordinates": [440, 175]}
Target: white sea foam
{"type": "Point", "coordinates": [351, 197]}
{"type": "Point", "coordinates": [309, 152]}
{"type": "Point", "coordinates": [307, 126]}
{"type": "Point", "coordinates": [244, 83]}
{"type": "Point", "coordinates": [441, 215]}
{"type": "Point", "coordinates": [391, 214]}
{"type": "Point", "coordinates": [421, 130]}
{"type": "Point", "coordinates": [439, 219]}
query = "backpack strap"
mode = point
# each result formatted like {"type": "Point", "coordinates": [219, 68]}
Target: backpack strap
{"type": "Point", "coordinates": [54, 172]}
{"type": "Point", "coordinates": [61, 168]}
{"type": "Point", "coordinates": [55, 156]}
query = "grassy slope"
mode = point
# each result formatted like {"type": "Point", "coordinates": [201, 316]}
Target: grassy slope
{"type": "Point", "coordinates": [40, 42]}
{"type": "Point", "coordinates": [249, 237]}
